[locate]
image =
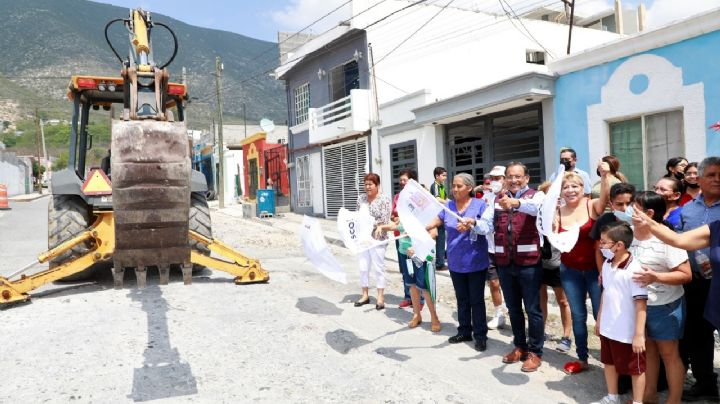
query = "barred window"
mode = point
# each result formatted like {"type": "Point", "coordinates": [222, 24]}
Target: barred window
{"type": "Point", "coordinates": [302, 103]}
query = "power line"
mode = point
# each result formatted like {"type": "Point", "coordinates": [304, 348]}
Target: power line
{"type": "Point", "coordinates": [523, 25]}
{"type": "Point", "coordinates": [302, 56]}
{"type": "Point", "coordinates": [463, 30]}
{"type": "Point", "coordinates": [393, 13]}
{"type": "Point", "coordinates": [344, 22]}
{"type": "Point", "coordinates": [415, 32]}
{"type": "Point", "coordinates": [256, 57]}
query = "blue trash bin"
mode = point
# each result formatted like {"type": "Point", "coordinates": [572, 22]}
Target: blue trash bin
{"type": "Point", "coordinates": [265, 202]}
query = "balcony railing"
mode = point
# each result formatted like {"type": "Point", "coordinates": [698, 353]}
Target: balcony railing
{"type": "Point", "coordinates": [345, 117]}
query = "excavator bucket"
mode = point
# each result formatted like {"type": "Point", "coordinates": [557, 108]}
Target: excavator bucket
{"type": "Point", "coordinates": [151, 193]}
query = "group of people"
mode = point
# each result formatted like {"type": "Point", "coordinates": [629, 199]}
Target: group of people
{"type": "Point", "coordinates": [645, 259]}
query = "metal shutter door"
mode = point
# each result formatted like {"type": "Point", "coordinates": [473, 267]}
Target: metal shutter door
{"type": "Point", "coordinates": [345, 166]}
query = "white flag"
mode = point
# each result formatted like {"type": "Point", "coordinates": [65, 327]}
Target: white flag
{"type": "Point", "coordinates": [356, 229]}
{"type": "Point", "coordinates": [566, 240]}
{"type": "Point", "coordinates": [417, 208]}
{"type": "Point", "coordinates": [317, 251]}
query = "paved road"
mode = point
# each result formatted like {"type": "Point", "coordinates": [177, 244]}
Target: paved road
{"type": "Point", "coordinates": [23, 233]}
{"type": "Point", "coordinates": [295, 339]}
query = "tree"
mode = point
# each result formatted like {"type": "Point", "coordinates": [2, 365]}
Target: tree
{"type": "Point", "coordinates": [36, 167]}
{"type": "Point", "coordinates": [61, 162]}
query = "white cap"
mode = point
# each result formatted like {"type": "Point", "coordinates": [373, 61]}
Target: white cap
{"type": "Point", "coordinates": [497, 171]}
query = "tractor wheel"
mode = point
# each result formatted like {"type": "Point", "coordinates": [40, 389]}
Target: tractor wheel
{"type": "Point", "coordinates": [68, 216]}
{"type": "Point", "coordinates": [200, 223]}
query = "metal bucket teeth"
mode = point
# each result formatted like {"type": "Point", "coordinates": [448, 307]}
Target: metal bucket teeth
{"type": "Point", "coordinates": [151, 192]}
{"type": "Point", "coordinates": [141, 276]}
{"type": "Point", "coordinates": [164, 274]}
{"type": "Point", "coordinates": [187, 274]}
{"type": "Point", "coordinates": [118, 272]}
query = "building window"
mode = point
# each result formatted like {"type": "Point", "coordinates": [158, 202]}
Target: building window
{"type": "Point", "coordinates": [344, 78]}
{"type": "Point", "coordinates": [302, 103]}
{"type": "Point", "coordinates": [535, 57]}
{"type": "Point", "coordinates": [304, 186]}
{"type": "Point", "coordinates": [645, 144]}
{"type": "Point", "coordinates": [402, 155]}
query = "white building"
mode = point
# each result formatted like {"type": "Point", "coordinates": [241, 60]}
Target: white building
{"type": "Point", "coordinates": [447, 86]}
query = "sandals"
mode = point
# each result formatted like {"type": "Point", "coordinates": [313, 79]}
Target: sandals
{"type": "Point", "coordinates": [362, 302]}
{"type": "Point", "coordinates": [416, 321]}
{"type": "Point", "coordinates": [576, 367]}
{"type": "Point", "coordinates": [435, 327]}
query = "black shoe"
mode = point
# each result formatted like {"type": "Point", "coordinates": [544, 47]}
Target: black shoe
{"type": "Point", "coordinates": [459, 338]}
{"type": "Point", "coordinates": [701, 393]}
{"type": "Point", "coordinates": [380, 306]}
{"type": "Point", "coordinates": [480, 345]}
{"type": "Point", "coordinates": [362, 302]}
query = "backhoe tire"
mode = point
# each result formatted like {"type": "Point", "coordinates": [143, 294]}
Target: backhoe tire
{"type": "Point", "coordinates": [68, 216]}
{"type": "Point", "coordinates": [200, 223]}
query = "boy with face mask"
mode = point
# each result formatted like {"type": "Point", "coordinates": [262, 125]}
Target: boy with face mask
{"type": "Point", "coordinates": [622, 314]}
{"type": "Point", "coordinates": [622, 196]}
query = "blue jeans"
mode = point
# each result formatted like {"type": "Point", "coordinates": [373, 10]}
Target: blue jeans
{"type": "Point", "coordinates": [578, 284]}
{"type": "Point", "coordinates": [440, 247]}
{"type": "Point", "coordinates": [521, 286]}
{"type": "Point", "coordinates": [470, 296]}
{"type": "Point", "coordinates": [407, 279]}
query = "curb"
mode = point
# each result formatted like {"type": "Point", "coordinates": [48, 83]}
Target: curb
{"type": "Point", "coordinates": [25, 198]}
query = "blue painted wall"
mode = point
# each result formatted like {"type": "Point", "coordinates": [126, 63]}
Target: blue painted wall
{"type": "Point", "coordinates": [699, 59]}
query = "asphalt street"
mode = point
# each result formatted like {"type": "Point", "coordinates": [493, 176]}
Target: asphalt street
{"type": "Point", "coordinates": [297, 338]}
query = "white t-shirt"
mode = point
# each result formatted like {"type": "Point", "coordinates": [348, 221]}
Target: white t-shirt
{"type": "Point", "coordinates": [617, 319]}
{"type": "Point", "coordinates": [660, 257]}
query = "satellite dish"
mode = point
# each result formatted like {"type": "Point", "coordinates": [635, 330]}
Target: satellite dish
{"type": "Point", "coordinates": [267, 125]}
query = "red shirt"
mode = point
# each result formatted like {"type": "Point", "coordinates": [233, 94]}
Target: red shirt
{"type": "Point", "coordinates": [582, 255]}
{"type": "Point", "coordinates": [685, 198]}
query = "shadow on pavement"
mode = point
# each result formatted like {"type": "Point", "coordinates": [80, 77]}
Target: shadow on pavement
{"type": "Point", "coordinates": [509, 379]}
{"type": "Point", "coordinates": [316, 305]}
{"type": "Point", "coordinates": [162, 374]}
{"type": "Point", "coordinates": [343, 341]}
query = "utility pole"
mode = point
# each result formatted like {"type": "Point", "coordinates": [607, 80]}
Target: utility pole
{"type": "Point", "coordinates": [38, 182]}
{"type": "Point", "coordinates": [221, 146]}
{"type": "Point", "coordinates": [245, 119]}
{"type": "Point", "coordinates": [44, 149]}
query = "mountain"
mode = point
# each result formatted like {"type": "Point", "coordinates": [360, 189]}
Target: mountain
{"type": "Point", "coordinates": [43, 42]}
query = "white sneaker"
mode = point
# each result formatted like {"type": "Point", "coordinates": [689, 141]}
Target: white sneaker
{"type": "Point", "coordinates": [607, 400]}
{"type": "Point", "coordinates": [496, 322]}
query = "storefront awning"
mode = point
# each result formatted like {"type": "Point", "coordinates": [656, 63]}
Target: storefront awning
{"type": "Point", "coordinates": [511, 93]}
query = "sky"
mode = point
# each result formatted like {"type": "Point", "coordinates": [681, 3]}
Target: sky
{"type": "Point", "coordinates": [262, 19]}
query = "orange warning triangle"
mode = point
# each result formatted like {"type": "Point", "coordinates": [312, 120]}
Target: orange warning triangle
{"type": "Point", "coordinates": [97, 183]}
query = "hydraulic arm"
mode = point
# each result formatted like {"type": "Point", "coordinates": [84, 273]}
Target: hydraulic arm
{"type": "Point", "coordinates": [101, 239]}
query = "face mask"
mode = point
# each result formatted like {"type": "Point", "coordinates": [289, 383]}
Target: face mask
{"type": "Point", "coordinates": [680, 176]}
{"type": "Point", "coordinates": [567, 165]}
{"type": "Point", "coordinates": [624, 216]}
{"type": "Point", "coordinates": [693, 186]}
{"type": "Point", "coordinates": [607, 253]}
{"type": "Point", "coordinates": [496, 187]}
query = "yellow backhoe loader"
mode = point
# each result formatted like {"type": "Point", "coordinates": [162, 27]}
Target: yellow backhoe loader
{"type": "Point", "coordinates": [145, 206]}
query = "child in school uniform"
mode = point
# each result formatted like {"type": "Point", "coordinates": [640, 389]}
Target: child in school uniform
{"type": "Point", "coordinates": [622, 314]}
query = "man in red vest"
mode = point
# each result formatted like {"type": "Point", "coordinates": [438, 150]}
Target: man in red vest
{"type": "Point", "coordinates": [518, 260]}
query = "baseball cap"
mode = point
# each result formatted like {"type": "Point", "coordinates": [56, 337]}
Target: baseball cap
{"type": "Point", "coordinates": [497, 171]}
